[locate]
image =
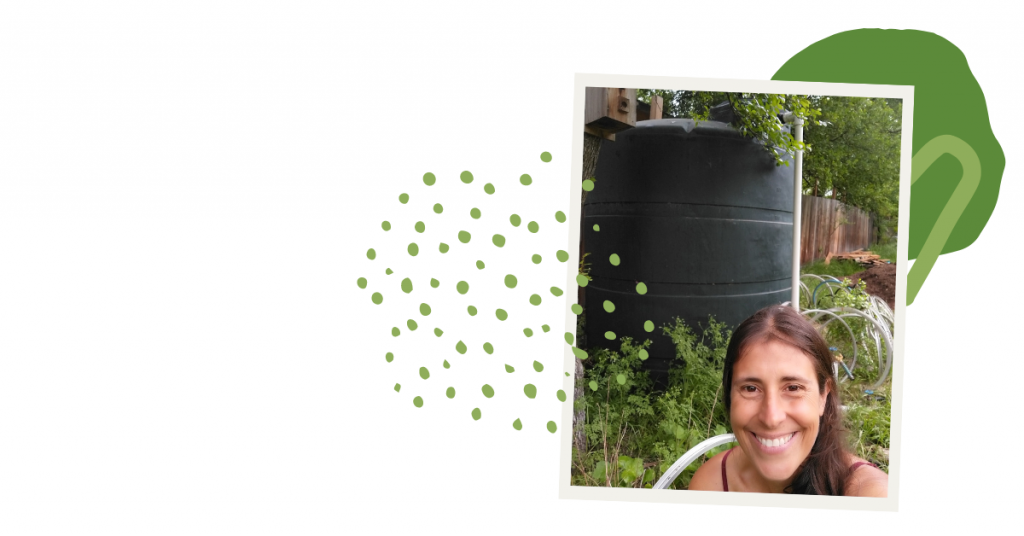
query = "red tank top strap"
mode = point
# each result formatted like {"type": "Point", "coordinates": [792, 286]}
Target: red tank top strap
{"type": "Point", "coordinates": [725, 480]}
{"type": "Point", "coordinates": [858, 464]}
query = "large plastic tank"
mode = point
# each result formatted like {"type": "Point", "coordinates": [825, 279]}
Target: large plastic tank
{"type": "Point", "coordinates": [699, 214]}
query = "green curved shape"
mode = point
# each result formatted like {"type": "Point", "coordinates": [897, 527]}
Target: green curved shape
{"type": "Point", "coordinates": [948, 101]}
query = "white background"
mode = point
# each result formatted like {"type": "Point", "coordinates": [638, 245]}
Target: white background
{"type": "Point", "coordinates": [188, 192]}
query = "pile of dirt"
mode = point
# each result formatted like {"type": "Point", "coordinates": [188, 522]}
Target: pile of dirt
{"type": "Point", "coordinates": [881, 281]}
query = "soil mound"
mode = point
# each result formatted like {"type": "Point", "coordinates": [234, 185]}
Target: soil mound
{"type": "Point", "coordinates": [881, 281]}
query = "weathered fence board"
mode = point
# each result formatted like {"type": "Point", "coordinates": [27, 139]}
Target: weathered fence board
{"type": "Point", "coordinates": [830, 226]}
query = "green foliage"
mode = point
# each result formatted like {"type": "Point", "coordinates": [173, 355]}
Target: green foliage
{"type": "Point", "coordinates": [837, 269]}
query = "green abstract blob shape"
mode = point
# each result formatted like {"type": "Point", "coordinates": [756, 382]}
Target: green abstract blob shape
{"type": "Point", "coordinates": [552, 427]}
{"type": "Point", "coordinates": [386, 225]}
{"type": "Point", "coordinates": [534, 299]}
{"type": "Point", "coordinates": [528, 332]}
{"type": "Point", "coordinates": [424, 309]}
{"type": "Point", "coordinates": [644, 355]}
{"type": "Point", "coordinates": [498, 240]}
{"type": "Point", "coordinates": [545, 328]}
{"type": "Point", "coordinates": [442, 247]}
{"type": "Point", "coordinates": [438, 332]}
{"type": "Point", "coordinates": [429, 179]}
{"type": "Point", "coordinates": [464, 237]}
{"type": "Point", "coordinates": [434, 283]}
{"type": "Point", "coordinates": [614, 259]}
{"type": "Point", "coordinates": [424, 373]}
{"type": "Point", "coordinates": [515, 220]}
{"type": "Point", "coordinates": [450, 393]}
{"type": "Point", "coordinates": [377, 298]}
{"type": "Point", "coordinates": [406, 285]}
{"type": "Point", "coordinates": [388, 271]}
{"type": "Point", "coordinates": [371, 254]}
{"type": "Point", "coordinates": [562, 256]}
{"type": "Point", "coordinates": [582, 280]}
{"type": "Point", "coordinates": [462, 287]}
{"type": "Point", "coordinates": [418, 402]}
{"type": "Point", "coordinates": [560, 216]}
{"type": "Point", "coordinates": [389, 357]}
{"type": "Point", "coordinates": [577, 309]}
{"type": "Point", "coordinates": [545, 156]}
{"type": "Point", "coordinates": [641, 288]}
{"type": "Point", "coordinates": [610, 335]}
{"type": "Point", "coordinates": [561, 395]}
{"type": "Point", "coordinates": [597, 228]}
{"type": "Point", "coordinates": [533, 226]}
{"type": "Point", "coordinates": [479, 265]}
{"type": "Point", "coordinates": [593, 385]}
{"type": "Point", "coordinates": [412, 324]}
{"type": "Point", "coordinates": [648, 326]}
{"type": "Point", "coordinates": [395, 332]}
{"type": "Point", "coordinates": [509, 369]}
{"type": "Point", "coordinates": [538, 366]}
{"type": "Point", "coordinates": [476, 414]}
{"type": "Point", "coordinates": [517, 424]}
{"type": "Point", "coordinates": [446, 364]}
{"type": "Point", "coordinates": [488, 348]}
{"type": "Point", "coordinates": [361, 282]}
{"type": "Point", "coordinates": [420, 227]}
{"type": "Point", "coordinates": [569, 338]}
{"type": "Point", "coordinates": [621, 378]}
{"type": "Point", "coordinates": [438, 208]}
{"type": "Point", "coordinates": [466, 177]}
{"type": "Point", "coordinates": [525, 179]}
{"type": "Point", "coordinates": [511, 281]}
{"type": "Point", "coordinates": [536, 259]}
{"type": "Point", "coordinates": [460, 347]}
{"type": "Point", "coordinates": [501, 314]}
{"type": "Point", "coordinates": [566, 374]}
{"type": "Point", "coordinates": [398, 387]}
{"type": "Point", "coordinates": [530, 390]}
{"type": "Point", "coordinates": [939, 72]}
{"type": "Point", "coordinates": [588, 185]}
{"type": "Point", "coordinates": [471, 310]}
{"type": "Point", "coordinates": [580, 354]}
{"type": "Point", "coordinates": [474, 213]}
{"type": "Point", "coordinates": [489, 189]}
{"type": "Point", "coordinates": [413, 249]}
{"type": "Point", "coordinates": [609, 307]}
{"type": "Point", "coordinates": [403, 198]}
{"type": "Point", "coordinates": [487, 390]}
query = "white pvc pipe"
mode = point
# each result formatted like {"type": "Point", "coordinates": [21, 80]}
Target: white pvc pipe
{"type": "Point", "coordinates": [798, 182]}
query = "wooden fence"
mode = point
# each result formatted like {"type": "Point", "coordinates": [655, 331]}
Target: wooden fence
{"type": "Point", "coordinates": [830, 226]}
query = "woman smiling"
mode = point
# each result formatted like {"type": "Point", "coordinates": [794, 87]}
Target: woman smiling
{"type": "Point", "coordinates": [784, 408]}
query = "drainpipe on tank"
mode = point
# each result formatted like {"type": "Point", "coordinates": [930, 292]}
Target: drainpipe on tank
{"type": "Point", "coordinates": [798, 179]}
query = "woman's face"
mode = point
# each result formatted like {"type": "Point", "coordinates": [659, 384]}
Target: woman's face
{"type": "Point", "coordinates": [776, 408]}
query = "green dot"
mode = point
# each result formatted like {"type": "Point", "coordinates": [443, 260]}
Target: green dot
{"type": "Point", "coordinates": [489, 188]}
{"type": "Point", "coordinates": [464, 237]}
{"type": "Point", "coordinates": [538, 366]}
{"type": "Point", "coordinates": [476, 414]}
{"type": "Point", "coordinates": [386, 225]}
{"type": "Point", "coordinates": [518, 425]}
{"type": "Point", "coordinates": [412, 324]}
{"type": "Point", "coordinates": [511, 281]}
{"type": "Point", "coordinates": [561, 394]}
{"type": "Point", "coordinates": [515, 220]}
{"type": "Point", "coordinates": [406, 285]}
{"type": "Point", "coordinates": [566, 374]}
{"type": "Point", "coordinates": [377, 298]}
{"type": "Point", "coordinates": [443, 248]}
{"type": "Point", "coordinates": [609, 307]}
{"type": "Point", "coordinates": [462, 287]}
{"type": "Point", "coordinates": [438, 208]}
{"type": "Point", "coordinates": [389, 357]}
{"type": "Point", "coordinates": [545, 328]}
{"type": "Point", "coordinates": [403, 199]}
{"type": "Point", "coordinates": [560, 216]}
{"type": "Point", "coordinates": [528, 332]}
{"type": "Point", "coordinates": [641, 288]}
{"type": "Point", "coordinates": [525, 179]}
{"type": "Point", "coordinates": [582, 280]}
{"type": "Point", "coordinates": [479, 265]}
{"type": "Point", "coordinates": [418, 402]}
{"type": "Point", "coordinates": [413, 249]}
{"type": "Point", "coordinates": [530, 390]}
{"type": "Point", "coordinates": [580, 354]}
{"type": "Point", "coordinates": [552, 427]}
{"type": "Point", "coordinates": [450, 393]}
{"type": "Point", "coordinates": [610, 335]}
{"type": "Point", "coordinates": [562, 256]}
{"type": "Point", "coordinates": [593, 385]}
{"type": "Point", "coordinates": [398, 387]}
{"type": "Point", "coordinates": [487, 390]}
{"type": "Point", "coordinates": [536, 259]}
{"type": "Point", "coordinates": [361, 282]}
{"type": "Point", "coordinates": [556, 291]}
{"type": "Point", "coordinates": [424, 373]}
{"type": "Point", "coordinates": [588, 185]}
{"type": "Point", "coordinates": [460, 347]}
{"type": "Point", "coordinates": [509, 369]}
{"type": "Point", "coordinates": [648, 326]}
{"type": "Point", "coordinates": [466, 177]}
{"type": "Point", "coordinates": [429, 179]}
{"type": "Point", "coordinates": [614, 259]}
{"type": "Point", "coordinates": [471, 310]}
{"type": "Point", "coordinates": [569, 338]}
{"type": "Point", "coordinates": [545, 156]}
{"type": "Point", "coordinates": [501, 314]}
{"type": "Point", "coordinates": [621, 378]}
{"type": "Point", "coordinates": [446, 364]}
{"type": "Point", "coordinates": [535, 299]}
{"type": "Point", "coordinates": [597, 228]}
{"type": "Point", "coordinates": [644, 355]}
{"type": "Point", "coordinates": [498, 240]}
{"type": "Point", "coordinates": [420, 227]}
{"type": "Point", "coordinates": [424, 309]}
{"type": "Point", "coordinates": [474, 213]}
{"type": "Point", "coordinates": [395, 332]}
{"type": "Point", "coordinates": [388, 271]}
{"type": "Point", "coordinates": [577, 309]}
{"type": "Point", "coordinates": [533, 227]}
{"type": "Point", "coordinates": [434, 283]}
{"type": "Point", "coordinates": [371, 254]}
{"type": "Point", "coordinates": [438, 332]}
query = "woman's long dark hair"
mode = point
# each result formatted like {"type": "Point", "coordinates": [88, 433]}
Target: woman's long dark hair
{"type": "Point", "coordinates": [825, 471]}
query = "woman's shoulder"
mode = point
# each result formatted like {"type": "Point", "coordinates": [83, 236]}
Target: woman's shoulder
{"type": "Point", "coordinates": [709, 476]}
{"type": "Point", "coordinates": [866, 480]}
